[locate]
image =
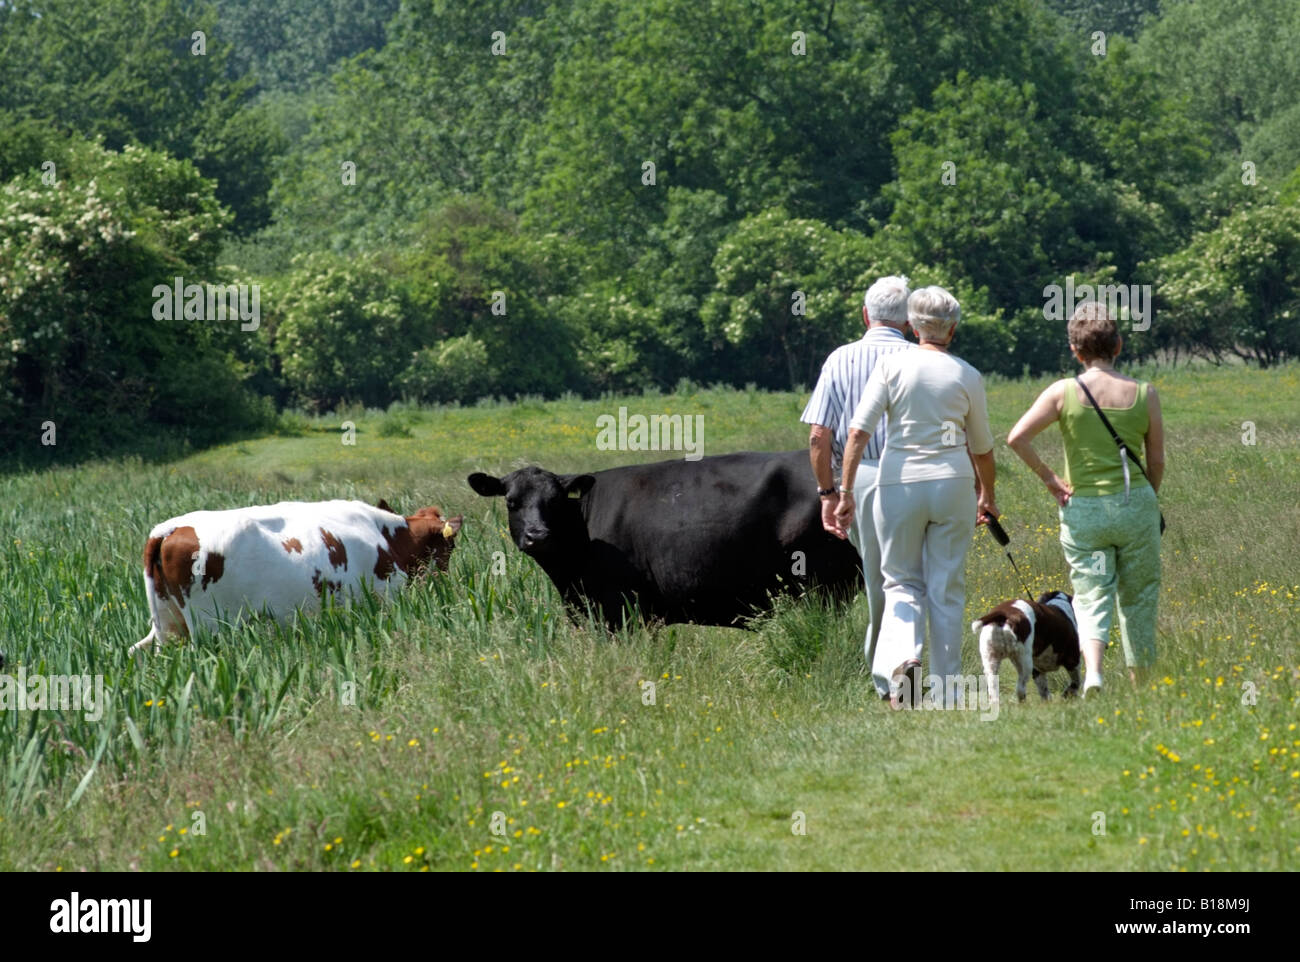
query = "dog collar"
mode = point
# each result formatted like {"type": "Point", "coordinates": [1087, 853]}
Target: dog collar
{"type": "Point", "coordinates": [1028, 610]}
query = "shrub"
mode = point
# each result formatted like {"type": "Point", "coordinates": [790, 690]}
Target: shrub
{"type": "Point", "coordinates": [395, 424]}
{"type": "Point", "coordinates": [80, 256]}
{"type": "Point", "coordinates": [1235, 290]}
{"type": "Point", "coordinates": [455, 370]}
{"type": "Point", "coordinates": [341, 331]}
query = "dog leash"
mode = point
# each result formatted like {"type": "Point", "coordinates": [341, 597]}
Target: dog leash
{"type": "Point", "coordinates": [1000, 536]}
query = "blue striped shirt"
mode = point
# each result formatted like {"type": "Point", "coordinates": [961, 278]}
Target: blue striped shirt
{"type": "Point", "coordinates": [843, 379]}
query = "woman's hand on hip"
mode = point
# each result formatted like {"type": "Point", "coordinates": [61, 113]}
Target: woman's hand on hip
{"type": "Point", "coordinates": [1060, 488]}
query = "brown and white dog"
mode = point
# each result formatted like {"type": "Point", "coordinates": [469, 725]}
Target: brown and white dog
{"type": "Point", "coordinates": [1037, 636]}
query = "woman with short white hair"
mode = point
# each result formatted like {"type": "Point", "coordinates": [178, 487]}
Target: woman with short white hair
{"type": "Point", "coordinates": [925, 508]}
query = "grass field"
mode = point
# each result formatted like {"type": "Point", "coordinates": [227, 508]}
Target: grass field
{"type": "Point", "coordinates": [471, 726]}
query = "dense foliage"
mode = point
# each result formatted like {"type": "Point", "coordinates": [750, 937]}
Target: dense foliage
{"type": "Point", "coordinates": [79, 261]}
{"type": "Point", "coordinates": [444, 201]}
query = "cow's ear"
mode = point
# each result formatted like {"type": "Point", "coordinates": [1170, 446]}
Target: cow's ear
{"type": "Point", "coordinates": [486, 485]}
{"type": "Point", "coordinates": [385, 506]}
{"type": "Point", "coordinates": [576, 485]}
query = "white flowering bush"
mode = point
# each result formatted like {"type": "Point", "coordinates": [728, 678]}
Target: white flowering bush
{"type": "Point", "coordinates": [80, 255]}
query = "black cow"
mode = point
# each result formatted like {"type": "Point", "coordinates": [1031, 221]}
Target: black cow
{"type": "Point", "coordinates": [706, 541]}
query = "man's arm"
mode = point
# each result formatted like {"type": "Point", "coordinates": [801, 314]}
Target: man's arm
{"type": "Point", "coordinates": [819, 453]}
{"type": "Point", "coordinates": [823, 409]}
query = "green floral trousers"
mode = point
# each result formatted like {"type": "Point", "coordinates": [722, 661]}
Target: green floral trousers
{"type": "Point", "coordinates": [1113, 550]}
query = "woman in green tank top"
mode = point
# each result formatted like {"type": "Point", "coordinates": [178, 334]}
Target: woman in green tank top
{"type": "Point", "coordinates": [1110, 521]}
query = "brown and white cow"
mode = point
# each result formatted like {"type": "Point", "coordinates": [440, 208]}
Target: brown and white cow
{"type": "Point", "coordinates": [210, 567]}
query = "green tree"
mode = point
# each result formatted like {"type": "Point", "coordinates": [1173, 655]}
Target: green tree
{"type": "Point", "coordinates": [643, 328]}
{"type": "Point", "coordinates": [1233, 60]}
{"type": "Point", "coordinates": [471, 270]}
{"type": "Point", "coordinates": [455, 370]}
{"type": "Point", "coordinates": [130, 71]}
{"type": "Point", "coordinates": [785, 296]}
{"type": "Point", "coordinates": [287, 45]}
{"type": "Point", "coordinates": [985, 192]}
{"type": "Point", "coordinates": [724, 97]}
{"type": "Point", "coordinates": [1234, 290]}
{"type": "Point", "coordinates": [342, 331]}
{"type": "Point", "coordinates": [1153, 154]}
{"type": "Point", "coordinates": [80, 257]}
{"type": "Point", "coordinates": [455, 121]}
{"type": "Point", "coordinates": [1126, 17]}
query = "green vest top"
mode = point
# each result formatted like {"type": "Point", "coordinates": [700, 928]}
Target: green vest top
{"type": "Point", "coordinates": [1092, 464]}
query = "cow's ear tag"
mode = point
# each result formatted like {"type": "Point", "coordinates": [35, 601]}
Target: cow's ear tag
{"type": "Point", "coordinates": [575, 494]}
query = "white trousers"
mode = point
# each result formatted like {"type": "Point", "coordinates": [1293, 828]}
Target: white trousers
{"type": "Point", "coordinates": [924, 529]}
{"type": "Point", "coordinates": [862, 535]}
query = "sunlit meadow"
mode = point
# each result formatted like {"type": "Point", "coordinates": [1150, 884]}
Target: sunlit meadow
{"type": "Point", "coordinates": [471, 726]}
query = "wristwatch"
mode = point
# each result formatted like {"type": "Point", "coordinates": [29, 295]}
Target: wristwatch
{"type": "Point", "coordinates": [825, 492]}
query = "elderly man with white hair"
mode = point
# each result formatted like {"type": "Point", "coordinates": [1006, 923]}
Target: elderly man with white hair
{"type": "Point", "coordinates": [844, 377]}
{"type": "Point", "coordinates": [925, 505]}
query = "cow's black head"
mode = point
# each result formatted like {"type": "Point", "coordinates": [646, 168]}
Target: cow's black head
{"type": "Point", "coordinates": [545, 514]}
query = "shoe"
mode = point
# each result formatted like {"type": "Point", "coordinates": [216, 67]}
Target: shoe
{"type": "Point", "coordinates": [1091, 689]}
{"type": "Point", "coordinates": [905, 685]}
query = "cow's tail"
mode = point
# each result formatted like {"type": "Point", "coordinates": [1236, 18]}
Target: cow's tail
{"type": "Point", "coordinates": [152, 581]}
{"type": "Point", "coordinates": [160, 606]}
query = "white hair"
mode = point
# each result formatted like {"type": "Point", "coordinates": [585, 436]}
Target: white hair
{"type": "Point", "coordinates": [886, 299]}
{"type": "Point", "coordinates": [932, 312]}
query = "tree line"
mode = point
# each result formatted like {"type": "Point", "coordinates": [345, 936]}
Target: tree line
{"type": "Point", "coordinates": [442, 201]}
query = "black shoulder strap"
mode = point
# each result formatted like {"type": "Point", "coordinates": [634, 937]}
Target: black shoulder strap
{"type": "Point", "coordinates": [1106, 421]}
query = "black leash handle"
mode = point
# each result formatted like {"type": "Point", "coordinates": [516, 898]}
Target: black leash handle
{"type": "Point", "coordinates": [1001, 537]}
{"type": "Point", "coordinates": [996, 529]}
